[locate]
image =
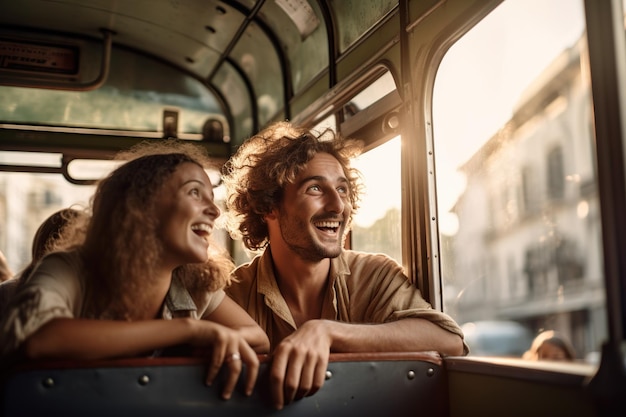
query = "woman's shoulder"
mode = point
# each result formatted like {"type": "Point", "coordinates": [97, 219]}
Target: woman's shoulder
{"type": "Point", "coordinates": [67, 258]}
{"type": "Point", "coordinates": [7, 289]}
{"type": "Point", "coordinates": [59, 265]}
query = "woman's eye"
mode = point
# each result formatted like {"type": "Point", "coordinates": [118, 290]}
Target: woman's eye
{"type": "Point", "coordinates": [195, 192]}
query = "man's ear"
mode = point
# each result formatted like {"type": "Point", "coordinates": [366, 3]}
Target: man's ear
{"type": "Point", "coordinates": [272, 215]}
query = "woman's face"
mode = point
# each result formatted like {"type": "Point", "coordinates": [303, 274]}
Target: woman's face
{"type": "Point", "coordinates": [186, 213]}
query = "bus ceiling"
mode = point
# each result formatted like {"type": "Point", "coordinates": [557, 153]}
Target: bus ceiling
{"type": "Point", "coordinates": [205, 70]}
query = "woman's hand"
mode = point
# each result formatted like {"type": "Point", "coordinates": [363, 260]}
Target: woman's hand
{"type": "Point", "coordinates": [230, 314]}
{"type": "Point", "coordinates": [229, 348]}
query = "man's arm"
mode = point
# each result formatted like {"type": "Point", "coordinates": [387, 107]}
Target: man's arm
{"type": "Point", "coordinates": [300, 360]}
{"type": "Point", "coordinates": [406, 335]}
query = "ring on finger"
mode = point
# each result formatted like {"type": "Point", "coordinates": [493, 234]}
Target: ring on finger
{"type": "Point", "coordinates": [233, 357]}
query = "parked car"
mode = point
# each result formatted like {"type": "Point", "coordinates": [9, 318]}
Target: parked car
{"type": "Point", "coordinates": [497, 338]}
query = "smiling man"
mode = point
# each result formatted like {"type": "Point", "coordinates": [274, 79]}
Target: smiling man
{"type": "Point", "coordinates": [292, 194]}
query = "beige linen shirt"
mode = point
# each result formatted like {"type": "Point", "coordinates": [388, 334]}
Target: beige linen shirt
{"type": "Point", "coordinates": [363, 288]}
{"type": "Point", "coordinates": [56, 288]}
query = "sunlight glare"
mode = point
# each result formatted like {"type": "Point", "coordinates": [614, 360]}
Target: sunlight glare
{"type": "Point", "coordinates": [381, 176]}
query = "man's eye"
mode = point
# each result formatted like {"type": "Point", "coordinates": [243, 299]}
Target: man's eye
{"type": "Point", "coordinates": [315, 188]}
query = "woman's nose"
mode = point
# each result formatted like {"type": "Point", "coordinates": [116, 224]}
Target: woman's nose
{"type": "Point", "coordinates": [212, 209]}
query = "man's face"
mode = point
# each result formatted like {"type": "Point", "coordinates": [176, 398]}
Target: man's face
{"type": "Point", "coordinates": [315, 210]}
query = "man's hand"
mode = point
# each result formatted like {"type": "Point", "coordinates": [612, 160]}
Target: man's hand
{"type": "Point", "coordinates": [299, 363]}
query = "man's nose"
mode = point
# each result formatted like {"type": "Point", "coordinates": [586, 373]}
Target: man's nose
{"type": "Point", "coordinates": [335, 202]}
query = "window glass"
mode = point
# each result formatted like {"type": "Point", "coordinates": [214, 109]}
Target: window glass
{"type": "Point", "coordinates": [131, 99]}
{"type": "Point", "coordinates": [303, 31]}
{"type": "Point", "coordinates": [257, 58]}
{"type": "Point", "coordinates": [25, 201]}
{"type": "Point", "coordinates": [375, 91]}
{"type": "Point", "coordinates": [235, 93]}
{"type": "Point", "coordinates": [329, 122]}
{"type": "Point", "coordinates": [377, 223]}
{"type": "Point", "coordinates": [355, 19]}
{"type": "Point", "coordinates": [519, 216]}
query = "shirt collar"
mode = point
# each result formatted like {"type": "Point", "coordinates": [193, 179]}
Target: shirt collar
{"type": "Point", "coordinates": [268, 286]}
{"type": "Point", "coordinates": [339, 266]}
{"type": "Point", "coordinates": [178, 298]}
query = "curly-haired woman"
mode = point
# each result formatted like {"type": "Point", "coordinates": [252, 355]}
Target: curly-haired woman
{"type": "Point", "coordinates": [143, 256]}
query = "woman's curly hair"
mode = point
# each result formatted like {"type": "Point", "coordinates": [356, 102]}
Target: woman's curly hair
{"type": "Point", "coordinates": [256, 175]}
{"type": "Point", "coordinates": [121, 245]}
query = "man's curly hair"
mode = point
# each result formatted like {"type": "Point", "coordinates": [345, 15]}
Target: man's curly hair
{"type": "Point", "coordinates": [256, 175]}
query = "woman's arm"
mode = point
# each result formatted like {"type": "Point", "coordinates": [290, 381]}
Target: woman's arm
{"type": "Point", "coordinates": [230, 314]}
{"type": "Point", "coordinates": [99, 339]}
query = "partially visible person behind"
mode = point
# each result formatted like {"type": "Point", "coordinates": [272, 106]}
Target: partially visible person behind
{"type": "Point", "coordinates": [46, 238]}
{"type": "Point", "coordinates": [549, 345]}
{"type": "Point", "coordinates": [143, 277]}
{"type": "Point", "coordinates": [5, 272]}
{"type": "Point", "coordinates": [50, 232]}
{"type": "Point", "coordinates": [292, 193]}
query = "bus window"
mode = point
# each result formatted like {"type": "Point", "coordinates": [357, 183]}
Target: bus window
{"type": "Point", "coordinates": [28, 199]}
{"type": "Point", "coordinates": [516, 180]}
{"type": "Point", "coordinates": [133, 99]}
{"type": "Point", "coordinates": [377, 223]}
